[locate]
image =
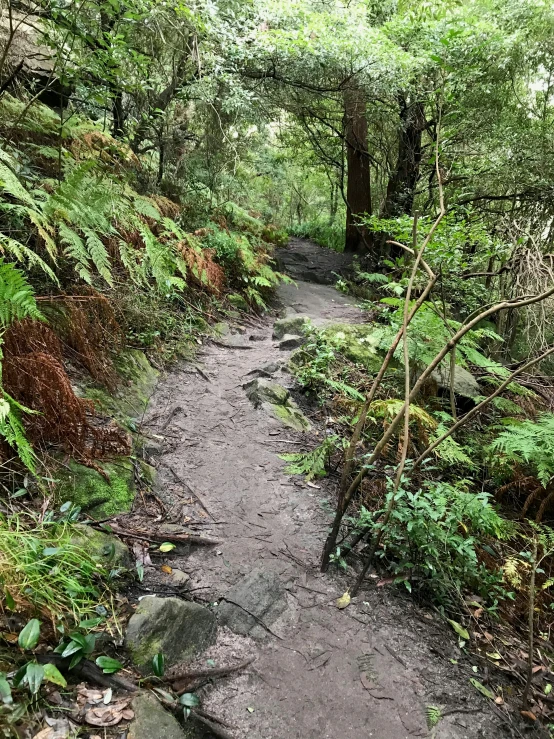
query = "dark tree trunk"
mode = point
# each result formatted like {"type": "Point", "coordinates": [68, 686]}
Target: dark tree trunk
{"type": "Point", "coordinates": [118, 115]}
{"type": "Point", "coordinates": [358, 188]}
{"type": "Point", "coordinates": [403, 181]}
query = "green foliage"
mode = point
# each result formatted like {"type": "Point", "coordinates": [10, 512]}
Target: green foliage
{"type": "Point", "coordinates": [434, 715]}
{"type": "Point", "coordinates": [528, 443]}
{"type": "Point", "coordinates": [43, 571]}
{"type": "Point", "coordinates": [331, 236]}
{"type": "Point", "coordinates": [312, 464]}
{"type": "Point", "coordinates": [432, 539]}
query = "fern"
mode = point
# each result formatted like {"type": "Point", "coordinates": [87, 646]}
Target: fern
{"type": "Point", "coordinates": [17, 299]}
{"type": "Point", "coordinates": [434, 715]}
{"type": "Point", "coordinates": [11, 429]}
{"type": "Point", "coordinates": [530, 443]}
{"type": "Point", "coordinates": [311, 464]}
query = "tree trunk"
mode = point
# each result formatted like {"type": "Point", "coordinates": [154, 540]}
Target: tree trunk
{"type": "Point", "coordinates": [403, 181]}
{"type": "Point", "coordinates": [358, 188]}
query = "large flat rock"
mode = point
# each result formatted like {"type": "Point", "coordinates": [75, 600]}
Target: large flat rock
{"type": "Point", "coordinates": [177, 628]}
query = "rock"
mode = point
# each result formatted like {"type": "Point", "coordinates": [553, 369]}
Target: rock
{"type": "Point", "coordinates": [177, 628]}
{"type": "Point", "coordinates": [271, 368]}
{"type": "Point", "coordinates": [222, 328]}
{"type": "Point", "coordinates": [464, 383]}
{"type": "Point", "coordinates": [275, 400]}
{"type": "Point", "coordinates": [152, 721]}
{"type": "Point", "coordinates": [266, 391]}
{"type": "Point", "coordinates": [178, 577]}
{"type": "Point", "coordinates": [128, 403]}
{"type": "Point", "coordinates": [105, 548]}
{"type": "Point", "coordinates": [295, 324]}
{"type": "Point", "coordinates": [97, 496]}
{"type": "Point", "coordinates": [290, 341]}
{"type": "Point", "coordinates": [260, 593]}
{"type": "Point", "coordinates": [357, 342]}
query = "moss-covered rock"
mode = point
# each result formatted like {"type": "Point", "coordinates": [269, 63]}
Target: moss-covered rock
{"type": "Point", "coordinates": [105, 548]}
{"type": "Point", "coordinates": [98, 496]}
{"type": "Point", "coordinates": [138, 380]}
{"type": "Point", "coordinates": [179, 629]}
{"type": "Point", "coordinates": [275, 400]}
{"type": "Point", "coordinates": [297, 325]}
{"type": "Point", "coordinates": [357, 342]}
{"type": "Point", "coordinates": [152, 721]}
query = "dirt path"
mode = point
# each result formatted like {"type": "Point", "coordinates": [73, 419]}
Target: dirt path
{"type": "Point", "coordinates": [369, 671]}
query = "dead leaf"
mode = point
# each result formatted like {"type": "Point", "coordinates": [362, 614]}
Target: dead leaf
{"type": "Point", "coordinates": [529, 715]}
{"type": "Point", "coordinates": [109, 715]}
{"type": "Point", "coordinates": [167, 569]}
{"type": "Point", "coordinates": [343, 601]}
{"type": "Point", "coordinates": [9, 637]}
{"type": "Point", "coordinates": [499, 701]}
{"type": "Point", "coordinates": [313, 485]}
{"type": "Point", "coordinates": [538, 668]}
{"type": "Point", "coordinates": [478, 613]}
{"type": "Point", "coordinates": [385, 581]}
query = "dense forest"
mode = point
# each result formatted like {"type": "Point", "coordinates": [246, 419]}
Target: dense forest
{"type": "Point", "coordinates": [155, 159]}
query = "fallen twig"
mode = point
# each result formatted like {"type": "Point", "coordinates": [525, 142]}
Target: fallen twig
{"type": "Point", "coordinates": [212, 726]}
{"type": "Point", "coordinates": [191, 491]}
{"type": "Point", "coordinates": [87, 670]}
{"type": "Point", "coordinates": [256, 618]}
{"type": "Point", "coordinates": [155, 537]}
{"type": "Point", "coordinates": [182, 680]}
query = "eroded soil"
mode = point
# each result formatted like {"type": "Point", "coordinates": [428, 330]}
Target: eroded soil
{"type": "Point", "coordinates": [368, 671]}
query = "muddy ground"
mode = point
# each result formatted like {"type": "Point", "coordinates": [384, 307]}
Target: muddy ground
{"type": "Point", "coordinates": [368, 671]}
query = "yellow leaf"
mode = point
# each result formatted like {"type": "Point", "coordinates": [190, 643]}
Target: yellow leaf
{"type": "Point", "coordinates": [343, 601]}
{"type": "Point", "coordinates": [167, 569]}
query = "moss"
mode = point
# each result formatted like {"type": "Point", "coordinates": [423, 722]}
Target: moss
{"type": "Point", "coordinates": [357, 342]}
{"type": "Point", "coordinates": [148, 649]}
{"type": "Point", "coordinates": [128, 403]}
{"type": "Point", "coordinates": [289, 415]}
{"type": "Point", "coordinates": [90, 490]}
{"type": "Point", "coordinates": [102, 547]}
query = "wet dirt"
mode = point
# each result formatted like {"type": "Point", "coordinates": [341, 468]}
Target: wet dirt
{"type": "Point", "coordinates": [368, 671]}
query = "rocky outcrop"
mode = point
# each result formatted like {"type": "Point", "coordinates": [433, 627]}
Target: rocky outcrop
{"type": "Point", "coordinates": [177, 628]}
{"type": "Point", "coordinates": [105, 548]}
{"type": "Point", "coordinates": [291, 341]}
{"type": "Point", "coordinates": [464, 383]}
{"type": "Point", "coordinates": [294, 324]}
{"type": "Point", "coordinates": [260, 596]}
{"type": "Point", "coordinates": [275, 400]}
{"type": "Point", "coordinates": [152, 721]}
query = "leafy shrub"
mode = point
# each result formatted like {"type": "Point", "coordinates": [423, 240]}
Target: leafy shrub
{"type": "Point", "coordinates": [330, 236]}
{"type": "Point", "coordinates": [43, 572]}
{"type": "Point", "coordinates": [433, 537]}
{"type": "Point", "coordinates": [527, 443]}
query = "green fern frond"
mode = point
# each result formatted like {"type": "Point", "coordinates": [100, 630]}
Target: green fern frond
{"type": "Point", "coordinates": [311, 464]}
{"type": "Point", "coordinates": [11, 429]}
{"type": "Point", "coordinates": [10, 184]}
{"type": "Point", "coordinates": [531, 443]}
{"type": "Point", "coordinates": [17, 298]}
{"type": "Point", "coordinates": [21, 253]}
{"type": "Point", "coordinates": [434, 715]}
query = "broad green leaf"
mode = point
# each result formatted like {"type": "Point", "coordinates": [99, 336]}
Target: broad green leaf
{"type": "Point", "coordinates": [189, 700]}
{"type": "Point", "coordinates": [5, 690]}
{"type": "Point", "coordinates": [167, 546]}
{"type": "Point", "coordinates": [482, 689]}
{"type": "Point", "coordinates": [158, 664]}
{"type": "Point", "coordinates": [35, 676]}
{"type": "Point", "coordinates": [108, 664]}
{"type": "Point", "coordinates": [29, 635]}
{"type": "Point", "coordinates": [462, 633]}
{"type": "Point", "coordinates": [53, 675]}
